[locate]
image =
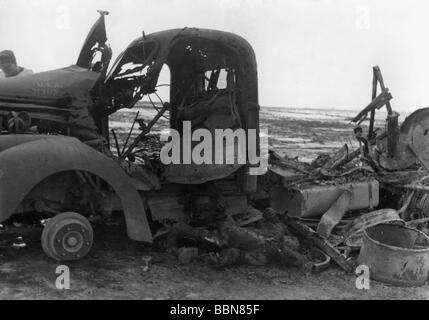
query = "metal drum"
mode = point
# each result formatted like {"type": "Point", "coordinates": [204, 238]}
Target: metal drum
{"type": "Point", "coordinates": [396, 254]}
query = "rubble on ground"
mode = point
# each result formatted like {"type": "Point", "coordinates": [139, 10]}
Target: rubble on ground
{"type": "Point", "coordinates": [317, 214]}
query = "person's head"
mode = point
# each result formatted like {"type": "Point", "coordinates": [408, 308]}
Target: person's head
{"type": "Point", "coordinates": [8, 63]}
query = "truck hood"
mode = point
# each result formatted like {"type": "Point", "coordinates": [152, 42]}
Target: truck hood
{"type": "Point", "coordinates": [51, 88]}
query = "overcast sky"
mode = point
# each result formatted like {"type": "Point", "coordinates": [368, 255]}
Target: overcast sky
{"type": "Point", "coordinates": [311, 53]}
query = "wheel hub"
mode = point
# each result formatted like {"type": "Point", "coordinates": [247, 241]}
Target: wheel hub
{"type": "Point", "coordinates": [72, 241]}
{"type": "Point", "coordinates": [67, 236]}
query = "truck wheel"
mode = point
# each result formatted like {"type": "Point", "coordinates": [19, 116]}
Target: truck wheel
{"type": "Point", "coordinates": [67, 236]}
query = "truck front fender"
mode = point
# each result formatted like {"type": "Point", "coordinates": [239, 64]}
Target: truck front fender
{"type": "Point", "coordinates": [25, 165]}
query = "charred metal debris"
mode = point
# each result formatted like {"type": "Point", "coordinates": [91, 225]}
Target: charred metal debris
{"type": "Point", "coordinates": [366, 206]}
{"type": "Point", "coordinates": [64, 170]}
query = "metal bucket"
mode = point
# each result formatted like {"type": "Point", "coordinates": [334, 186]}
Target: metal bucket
{"type": "Point", "coordinates": [353, 231]}
{"type": "Point", "coordinates": [396, 254]}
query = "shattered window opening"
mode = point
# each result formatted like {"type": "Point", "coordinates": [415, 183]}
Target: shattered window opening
{"type": "Point", "coordinates": [137, 56]}
{"type": "Point", "coordinates": [219, 79]}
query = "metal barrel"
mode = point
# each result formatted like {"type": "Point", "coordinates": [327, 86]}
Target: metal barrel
{"type": "Point", "coordinates": [396, 254]}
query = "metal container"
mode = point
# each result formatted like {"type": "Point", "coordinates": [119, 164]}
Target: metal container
{"type": "Point", "coordinates": [396, 254]}
{"type": "Point", "coordinates": [353, 231]}
{"type": "Point", "coordinates": [314, 201]}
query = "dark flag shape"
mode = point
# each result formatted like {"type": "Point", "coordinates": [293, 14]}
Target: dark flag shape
{"type": "Point", "coordinates": [97, 34]}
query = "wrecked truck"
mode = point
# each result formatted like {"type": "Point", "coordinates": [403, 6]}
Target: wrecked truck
{"type": "Point", "coordinates": [60, 161]}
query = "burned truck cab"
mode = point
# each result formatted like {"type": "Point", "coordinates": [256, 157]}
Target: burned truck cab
{"type": "Point", "coordinates": [213, 80]}
{"type": "Point", "coordinates": [213, 85]}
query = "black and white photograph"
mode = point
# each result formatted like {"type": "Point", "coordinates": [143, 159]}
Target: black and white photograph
{"type": "Point", "coordinates": [231, 152]}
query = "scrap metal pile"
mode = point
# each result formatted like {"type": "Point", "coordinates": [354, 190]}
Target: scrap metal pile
{"type": "Point", "coordinates": [365, 206]}
{"type": "Point", "coordinates": [332, 201]}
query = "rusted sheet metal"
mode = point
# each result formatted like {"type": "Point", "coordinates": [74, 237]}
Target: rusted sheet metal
{"type": "Point", "coordinates": [353, 232]}
{"type": "Point", "coordinates": [413, 119]}
{"type": "Point", "coordinates": [334, 215]}
{"type": "Point", "coordinates": [45, 157]}
{"type": "Point", "coordinates": [316, 200]}
{"type": "Point", "coordinates": [419, 142]}
{"type": "Point", "coordinates": [396, 254]}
